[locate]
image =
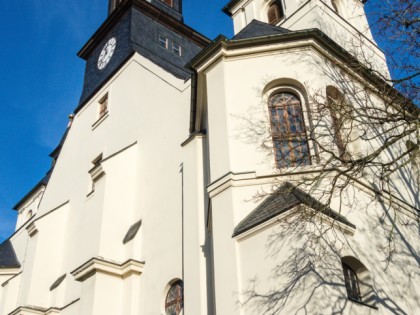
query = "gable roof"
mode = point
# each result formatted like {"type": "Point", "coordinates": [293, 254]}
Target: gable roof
{"type": "Point", "coordinates": [258, 28]}
{"type": "Point", "coordinates": [8, 257]}
{"type": "Point", "coordinates": [286, 197]}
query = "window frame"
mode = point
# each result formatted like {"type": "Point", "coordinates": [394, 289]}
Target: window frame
{"type": "Point", "coordinates": [277, 7]}
{"type": "Point", "coordinates": [103, 110]}
{"type": "Point", "coordinates": [365, 292]}
{"type": "Point", "coordinates": [279, 138]}
{"type": "Point", "coordinates": [172, 284]}
{"type": "Point", "coordinates": [166, 41]}
{"type": "Point", "coordinates": [177, 51]}
{"type": "Point", "coordinates": [351, 282]}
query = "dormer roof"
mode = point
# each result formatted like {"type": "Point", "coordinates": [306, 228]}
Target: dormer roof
{"type": "Point", "coordinates": [8, 257]}
{"type": "Point", "coordinates": [286, 197]}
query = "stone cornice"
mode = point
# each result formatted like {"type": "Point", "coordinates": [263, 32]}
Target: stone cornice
{"type": "Point", "coordinates": [100, 265]}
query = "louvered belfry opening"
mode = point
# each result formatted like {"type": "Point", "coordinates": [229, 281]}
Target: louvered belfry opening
{"type": "Point", "coordinates": [168, 2]}
{"type": "Point", "coordinates": [275, 13]}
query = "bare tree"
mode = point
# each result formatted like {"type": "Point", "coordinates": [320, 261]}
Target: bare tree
{"type": "Point", "coordinates": [362, 136]}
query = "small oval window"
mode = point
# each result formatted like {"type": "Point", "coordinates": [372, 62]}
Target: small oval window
{"type": "Point", "coordinates": [174, 301]}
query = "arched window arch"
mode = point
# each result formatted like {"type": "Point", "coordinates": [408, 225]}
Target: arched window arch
{"type": "Point", "coordinates": [174, 300]}
{"type": "Point", "coordinates": [340, 113]}
{"type": "Point", "coordinates": [275, 12]}
{"type": "Point", "coordinates": [358, 281]}
{"type": "Point", "coordinates": [288, 130]}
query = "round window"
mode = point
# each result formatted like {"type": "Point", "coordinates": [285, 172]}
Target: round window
{"type": "Point", "coordinates": [174, 301]}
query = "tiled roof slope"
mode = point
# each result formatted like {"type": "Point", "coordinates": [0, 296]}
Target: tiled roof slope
{"type": "Point", "coordinates": [259, 29]}
{"type": "Point", "coordinates": [282, 200]}
{"type": "Point", "coordinates": [8, 257]}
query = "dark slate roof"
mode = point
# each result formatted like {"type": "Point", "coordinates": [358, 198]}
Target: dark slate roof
{"type": "Point", "coordinates": [259, 29]}
{"type": "Point", "coordinates": [282, 200]}
{"type": "Point", "coordinates": [42, 182]}
{"type": "Point", "coordinates": [8, 257]}
{"type": "Point", "coordinates": [136, 25]}
{"type": "Point", "coordinates": [54, 154]}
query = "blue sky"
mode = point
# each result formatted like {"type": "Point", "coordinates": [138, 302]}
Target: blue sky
{"type": "Point", "coordinates": [41, 79]}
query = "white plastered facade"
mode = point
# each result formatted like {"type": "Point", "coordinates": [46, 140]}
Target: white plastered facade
{"type": "Point", "coordinates": [190, 191]}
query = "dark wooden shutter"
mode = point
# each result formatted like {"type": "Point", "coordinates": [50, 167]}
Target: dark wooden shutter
{"type": "Point", "coordinates": [274, 14]}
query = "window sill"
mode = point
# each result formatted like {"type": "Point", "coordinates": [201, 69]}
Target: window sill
{"type": "Point", "coordinates": [288, 170]}
{"type": "Point", "coordinates": [100, 120]}
{"type": "Point", "coordinates": [364, 304]}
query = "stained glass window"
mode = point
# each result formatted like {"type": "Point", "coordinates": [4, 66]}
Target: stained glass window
{"type": "Point", "coordinates": [175, 299]}
{"type": "Point", "coordinates": [288, 131]}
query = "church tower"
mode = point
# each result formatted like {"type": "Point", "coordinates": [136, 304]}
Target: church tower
{"type": "Point", "coordinates": [344, 21]}
{"type": "Point", "coordinates": [107, 234]}
{"type": "Point", "coordinates": [178, 174]}
{"type": "Point", "coordinates": [152, 29]}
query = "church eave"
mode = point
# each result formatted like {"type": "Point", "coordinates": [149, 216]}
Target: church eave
{"type": "Point", "coordinates": [229, 6]}
{"type": "Point", "coordinates": [227, 9]}
{"type": "Point", "coordinates": [150, 11]}
{"type": "Point", "coordinates": [322, 39]}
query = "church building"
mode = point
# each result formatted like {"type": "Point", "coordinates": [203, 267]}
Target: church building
{"type": "Point", "coordinates": [182, 184]}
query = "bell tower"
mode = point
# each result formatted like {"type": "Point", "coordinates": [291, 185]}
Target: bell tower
{"type": "Point", "coordinates": [153, 29]}
{"type": "Point", "coordinates": [342, 21]}
{"type": "Point", "coordinates": [172, 7]}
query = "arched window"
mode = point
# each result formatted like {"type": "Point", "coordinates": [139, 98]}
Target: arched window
{"type": "Point", "coordinates": [174, 301]}
{"type": "Point", "coordinates": [275, 12]}
{"type": "Point", "coordinates": [339, 115]}
{"type": "Point", "coordinates": [414, 154]}
{"type": "Point", "coordinates": [352, 283]}
{"type": "Point", "coordinates": [288, 130]}
{"type": "Point", "coordinates": [358, 281]}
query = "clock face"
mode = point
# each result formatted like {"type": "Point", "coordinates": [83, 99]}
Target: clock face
{"type": "Point", "coordinates": [107, 53]}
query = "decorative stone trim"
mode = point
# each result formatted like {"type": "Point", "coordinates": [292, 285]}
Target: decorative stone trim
{"type": "Point", "coordinates": [9, 271]}
{"type": "Point", "coordinates": [110, 268]}
{"type": "Point", "coordinates": [96, 172]}
{"type": "Point", "coordinates": [32, 229]}
{"type": "Point", "coordinates": [30, 310]}
{"type": "Point", "coordinates": [13, 272]}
